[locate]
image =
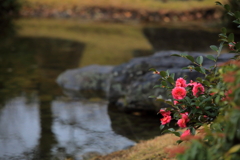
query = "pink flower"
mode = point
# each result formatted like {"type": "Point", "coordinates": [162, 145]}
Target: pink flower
{"type": "Point", "coordinates": [192, 83]}
{"type": "Point", "coordinates": [182, 123]}
{"type": "Point", "coordinates": [166, 120]}
{"type": "Point", "coordinates": [185, 134]}
{"type": "Point", "coordinates": [175, 102]}
{"type": "Point", "coordinates": [179, 92]}
{"type": "Point", "coordinates": [164, 112]}
{"type": "Point", "coordinates": [185, 116]}
{"type": "Point", "coordinates": [198, 89]}
{"type": "Point", "coordinates": [180, 82]}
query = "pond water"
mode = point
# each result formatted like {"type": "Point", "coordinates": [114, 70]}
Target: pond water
{"type": "Point", "coordinates": [38, 122]}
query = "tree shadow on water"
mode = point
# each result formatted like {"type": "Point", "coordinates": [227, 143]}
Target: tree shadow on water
{"type": "Point", "coordinates": [31, 65]}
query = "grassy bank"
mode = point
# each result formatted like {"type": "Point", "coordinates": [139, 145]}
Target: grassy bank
{"type": "Point", "coordinates": [174, 5]}
{"type": "Point", "coordinates": [103, 43]}
{"type": "Point", "coordinates": [154, 149]}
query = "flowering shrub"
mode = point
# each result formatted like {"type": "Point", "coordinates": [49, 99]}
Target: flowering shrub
{"type": "Point", "coordinates": [200, 102]}
{"type": "Point", "coordinates": [212, 102]}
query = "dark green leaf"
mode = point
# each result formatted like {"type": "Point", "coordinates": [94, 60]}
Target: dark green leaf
{"type": "Point", "coordinates": [211, 58]}
{"type": "Point", "coordinates": [184, 54]}
{"type": "Point", "coordinates": [176, 134]}
{"type": "Point", "coordinates": [177, 55]}
{"type": "Point", "coordinates": [163, 73]}
{"type": "Point", "coordinates": [199, 60]}
{"type": "Point", "coordinates": [161, 127]}
{"type": "Point", "coordinates": [237, 45]}
{"type": "Point", "coordinates": [218, 3]}
{"type": "Point", "coordinates": [224, 30]}
{"type": "Point", "coordinates": [192, 130]}
{"type": "Point", "coordinates": [231, 37]}
{"type": "Point", "coordinates": [213, 47]}
{"type": "Point", "coordinates": [171, 80]}
{"type": "Point", "coordinates": [227, 7]}
{"type": "Point", "coordinates": [157, 86]}
{"type": "Point", "coordinates": [171, 129]}
{"type": "Point", "coordinates": [231, 13]}
{"type": "Point", "coordinates": [172, 75]}
{"type": "Point", "coordinates": [179, 141]}
{"type": "Point", "coordinates": [152, 69]}
{"type": "Point", "coordinates": [190, 58]}
{"type": "Point", "coordinates": [203, 70]}
{"type": "Point", "coordinates": [151, 96]}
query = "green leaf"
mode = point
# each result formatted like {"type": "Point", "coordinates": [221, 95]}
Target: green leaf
{"type": "Point", "coordinates": [203, 70]}
{"type": "Point", "coordinates": [211, 57]}
{"type": "Point", "coordinates": [151, 96]}
{"type": "Point", "coordinates": [218, 3]}
{"type": "Point", "coordinates": [157, 86]}
{"type": "Point", "coordinates": [227, 7]}
{"type": "Point", "coordinates": [199, 79]}
{"type": "Point", "coordinates": [190, 58]}
{"type": "Point", "coordinates": [237, 45]}
{"type": "Point", "coordinates": [172, 75]}
{"type": "Point", "coordinates": [177, 55]}
{"type": "Point", "coordinates": [237, 13]}
{"type": "Point", "coordinates": [171, 129]}
{"type": "Point", "coordinates": [199, 60]}
{"type": "Point", "coordinates": [152, 69]}
{"type": "Point", "coordinates": [213, 47]}
{"type": "Point", "coordinates": [224, 30]}
{"type": "Point", "coordinates": [163, 73]}
{"type": "Point", "coordinates": [176, 134]}
{"type": "Point", "coordinates": [192, 130]}
{"type": "Point", "coordinates": [234, 149]}
{"type": "Point", "coordinates": [184, 54]}
{"type": "Point", "coordinates": [222, 35]}
{"type": "Point", "coordinates": [161, 127]}
{"type": "Point", "coordinates": [231, 37]}
{"type": "Point", "coordinates": [220, 48]}
{"type": "Point", "coordinates": [179, 141]}
{"type": "Point", "coordinates": [231, 14]}
{"type": "Point", "coordinates": [171, 80]}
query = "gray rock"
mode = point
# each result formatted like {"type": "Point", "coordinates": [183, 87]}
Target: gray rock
{"type": "Point", "coordinates": [86, 82]}
{"type": "Point", "coordinates": [131, 83]}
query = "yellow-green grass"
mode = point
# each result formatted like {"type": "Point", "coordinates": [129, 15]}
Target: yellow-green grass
{"type": "Point", "coordinates": [105, 43]}
{"type": "Point", "coordinates": [154, 149]}
{"type": "Point", "coordinates": [174, 5]}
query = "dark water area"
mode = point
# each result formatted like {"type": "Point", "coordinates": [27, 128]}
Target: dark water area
{"type": "Point", "coordinates": [38, 122]}
{"type": "Point", "coordinates": [183, 39]}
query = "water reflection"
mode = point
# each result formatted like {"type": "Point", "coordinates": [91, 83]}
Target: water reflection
{"type": "Point", "coordinates": [78, 129]}
{"type": "Point", "coordinates": [19, 129]}
{"type": "Point", "coordinates": [83, 128]}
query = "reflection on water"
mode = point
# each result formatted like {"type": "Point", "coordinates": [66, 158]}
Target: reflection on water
{"type": "Point", "coordinates": [84, 127]}
{"type": "Point", "coordinates": [80, 128]}
{"type": "Point", "coordinates": [19, 129]}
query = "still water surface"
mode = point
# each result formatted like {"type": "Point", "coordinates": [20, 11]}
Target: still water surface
{"type": "Point", "coordinates": [38, 122]}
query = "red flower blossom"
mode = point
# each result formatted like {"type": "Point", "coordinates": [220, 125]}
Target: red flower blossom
{"type": "Point", "coordinates": [175, 102]}
{"type": "Point", "coordinates": [191, 83]}
{"type": "Point", "coordinates": [179, 92]}
{"type": "Point", "coordinates": [166, 120]}
{"type": "Point", "coordinates": [182, 123]}
{"type": "Point", "coordinates": [198, 89]}
{"type": "Point", "coordinates": [185, 134]}
{"type": "Point", "coordinates": [164, 112]}
{"type": "Point", "coordinates": [180, 82]}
